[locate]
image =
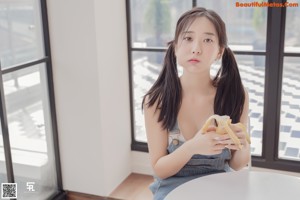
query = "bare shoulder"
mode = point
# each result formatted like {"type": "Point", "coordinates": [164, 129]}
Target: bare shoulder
{"type": "Point", "coordinates": [151, 114]}
{"type": "Point", "coordinates": [157, 137]}
{"type": "Point", "coordinates": [147, 107]}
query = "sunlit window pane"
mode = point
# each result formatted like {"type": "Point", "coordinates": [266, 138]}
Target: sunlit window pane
{"type": "Point", "coordinates": [252, 72]}
{"type": "Point", "coordinates": [30, 131]}
{"type": "Point", "coordinates": [153, 21]}
{"type": "Point", "coordinates": [292, 30]}
{"type": "Point", "coordinates": [21, 32]}
{"type": "Point", "coordinates": [289, 140]}
{"type": "Point", "coordinates": [246, 27]}
{"type": "Point", "coordinates": [146, 68]}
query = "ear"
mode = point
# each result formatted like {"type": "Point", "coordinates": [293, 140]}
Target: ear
{"type": "Point", "coordinates": [220, 54]}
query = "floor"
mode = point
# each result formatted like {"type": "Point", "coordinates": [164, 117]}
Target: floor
{"type": "Point", "coordinates": [134, 187]}
{"type": "Point", "coordinates": [81, 196]}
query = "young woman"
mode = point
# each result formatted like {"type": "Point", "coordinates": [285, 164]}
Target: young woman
{"type": "Point", "coordinates": [176, 108]}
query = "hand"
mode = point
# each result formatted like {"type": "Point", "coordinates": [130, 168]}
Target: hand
{"type": "Point", "coordinates": [209, 143]}
{"type": "Point", "coordinates": [241, 136]}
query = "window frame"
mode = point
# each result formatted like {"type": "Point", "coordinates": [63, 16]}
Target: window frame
{"type": "Point", "coordinates": [273, 84]}
{"type": "Point", "coordinates": [46, 59]}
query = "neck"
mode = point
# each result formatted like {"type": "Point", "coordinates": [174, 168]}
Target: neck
{"type": "Point", "coordinates": [197, 84]}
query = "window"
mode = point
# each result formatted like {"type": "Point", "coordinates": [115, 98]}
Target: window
{"type": "Point", "coordinates": [256, 37]}
{"type": "Point", "coordinates": [289, 136]}
{"type": "Point", "coordinates": [28, 138]}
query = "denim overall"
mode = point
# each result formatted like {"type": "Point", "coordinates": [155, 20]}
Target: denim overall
{"type": "Point", "coordinates": [197, 166]}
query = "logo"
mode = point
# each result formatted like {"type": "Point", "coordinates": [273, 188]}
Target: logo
{"type": "Point", "coordinates": [30, 186]}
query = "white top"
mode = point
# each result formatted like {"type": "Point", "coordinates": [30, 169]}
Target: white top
{"type": "Point", "coordinates": [244, 184]}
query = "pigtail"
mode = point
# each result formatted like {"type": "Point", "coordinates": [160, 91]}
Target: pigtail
{"type": "Point", "coordinates": [166, 91]}
{"type": "Point", "coordinates": [230, 96]}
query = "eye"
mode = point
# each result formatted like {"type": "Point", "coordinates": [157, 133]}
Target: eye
{"type": "Point", "coordinates": [208, 40]}
{"type": "Point", "coordinates": [187, 38]}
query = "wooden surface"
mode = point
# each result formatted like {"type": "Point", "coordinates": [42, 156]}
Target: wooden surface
{"type": "Point", "coordinates": [134, 187]}
{"type": "Point", "coordinates": [81, 196]}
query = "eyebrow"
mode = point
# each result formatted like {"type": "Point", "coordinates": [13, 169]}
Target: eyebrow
{"type": "Point", "coordinates": [185, 32]}
{"type": "Point", "coordinates": [206, 33]}
{"type": "Point", "coordinates": [209, 33]}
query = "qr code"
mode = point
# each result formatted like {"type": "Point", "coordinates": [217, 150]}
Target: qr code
{"type": "Point", "coordinates": [9, 190]}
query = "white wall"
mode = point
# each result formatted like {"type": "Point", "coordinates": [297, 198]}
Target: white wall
{"type": "Point", "coordinates": [140, 163]}
{"type": "Point", "coordinates": [89, 55]}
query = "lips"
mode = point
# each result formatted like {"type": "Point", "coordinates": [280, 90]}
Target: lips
{"type": "Point", "coordinates": [194, 60]}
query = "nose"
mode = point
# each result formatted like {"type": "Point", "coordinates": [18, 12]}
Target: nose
{"type": "Point", "coordinates": [196, 49]}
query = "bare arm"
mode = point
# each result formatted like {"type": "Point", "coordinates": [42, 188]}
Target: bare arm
{"type": "Point", "coordinates": [163, 164]}
{"type": "Point", "coordinates": [240, 158]}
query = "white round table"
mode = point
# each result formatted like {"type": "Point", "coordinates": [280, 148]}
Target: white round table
{"type": "Point", "coordinates": [239, 185]}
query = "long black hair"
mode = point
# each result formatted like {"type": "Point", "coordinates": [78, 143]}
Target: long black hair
{"type": "Point", "coordinates": [166, 92]}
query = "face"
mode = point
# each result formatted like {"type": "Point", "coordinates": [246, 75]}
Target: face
{"type": "Point", "coordinates": [198, 46]}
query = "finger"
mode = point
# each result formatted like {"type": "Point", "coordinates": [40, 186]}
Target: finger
{"type": "Point", "coordinates": [234, 146]}
{"type": "Point", "coordinates": [240, 135]}
{"type": "Point", "coordinates": [236, 127]}
{"type": "Point", "coordinates": [223, 137]}
{"type": "Point", "coordinates": [211, 128]}
{"type": "Point", "coordinates": [220, 140]}
{"type": "Point", "coordinates": [243, 138]}
{"type": "Point", "coordinates": [218, 147]}
{"type": "Point", "coordinates": [226, 142]}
